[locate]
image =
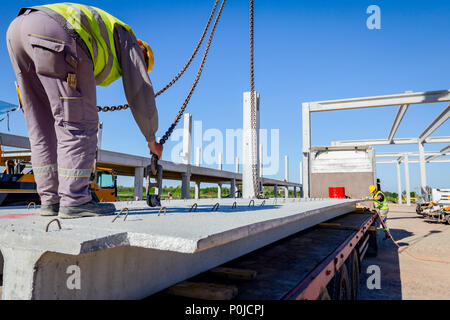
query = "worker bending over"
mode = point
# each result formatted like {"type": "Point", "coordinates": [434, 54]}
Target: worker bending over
{"type": "Point", "coordinates": [380, 204]}
{"type": "Point", "coordinates": [59, 53]}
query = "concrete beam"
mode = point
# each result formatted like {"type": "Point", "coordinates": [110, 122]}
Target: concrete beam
{"type": "Point", "coordinates": [381, 101]}
{"type": "Point", "coordinates": [159, 251]}
{"type": "Point", "coordinates": [436, 123]}
{"type": "Point", "coordinates": [443, 152]}
{"type": "Point", "coordinates": [374, 142]}
{"type": "Point", "coordinates": [398, 119]}
{"type": "Point", "coordinates": [413, 161]}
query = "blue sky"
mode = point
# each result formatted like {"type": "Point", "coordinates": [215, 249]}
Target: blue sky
{"type": "Point", "coordinates": [305, 51]}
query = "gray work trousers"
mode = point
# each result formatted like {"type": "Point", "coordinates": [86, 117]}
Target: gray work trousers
{"type": "Point", "coordinates": [56, 79]}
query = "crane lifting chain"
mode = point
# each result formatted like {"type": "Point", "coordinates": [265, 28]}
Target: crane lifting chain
{"type": "Point", "coordinates": [153, 200]}
{"type": "Point", "coordinates": [178, 76]}
{"type": "Point", "coordinates": [256, 186]}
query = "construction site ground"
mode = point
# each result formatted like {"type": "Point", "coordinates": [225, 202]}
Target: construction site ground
{"type": "Point", "coordinates": [403, 277]}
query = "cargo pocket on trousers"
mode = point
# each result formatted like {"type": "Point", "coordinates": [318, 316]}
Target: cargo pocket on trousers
{"type": "Point", "coordinates": [50, 57]}
{"type": "Point", "coordinates": [77, 114]}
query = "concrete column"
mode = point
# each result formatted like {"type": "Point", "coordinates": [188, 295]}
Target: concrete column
{"type": "Point", "coordinates": [219, 191]}
{"type": "Point", "coordinates": [219, 166]}
{"type": "Point", "coordinates": [408, 196]}
{"type": "Point", "coordinates": [197, 190]}
{"type": "Point", "coordinates": [187, 138]}
{"type": "Point", "coordinates": [260, 160]}
{"type": "Point", "coordinates": [295, 192]}
{"type": "Point", "coordinates": [185, 185]}
{"type": "Point", "coordinates": [306, 127]}
{"type": "Point", "coordinates": [286, 175]}
{"type": "Point", "coordinates": [250, 139]}
{"type": "Point", "coordinates": [275, 191]}
{"type": "Point", "coordinates": [399, 183]}
{"type": "Point", "coordinates": [237, 165]}
{"type": "Point", "coordinates": [138, 183]}
{"type": "Point", "coordinates": [233, 188]}
{"type": "Point", "coordinates": [301, 173]}
{"type": "Point", "coordinates": [220, 161]}
{"type": "Point", "coordinates": [423, 174]}
{"type": "Point", "coordinates": [99, 135]}
{"type": "Point", "coordinates": [198, 156]}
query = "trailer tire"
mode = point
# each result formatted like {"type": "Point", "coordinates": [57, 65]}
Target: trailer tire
{"type": "Point", "coordinates": [354, 269]}
{"type": "Point", "coordinates": [339, 286]}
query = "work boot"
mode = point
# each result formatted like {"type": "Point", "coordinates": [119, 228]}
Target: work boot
{"type": "Point", "coordinates": [49, 210]}
{"type": "Point", "coordinates": [89, 209]}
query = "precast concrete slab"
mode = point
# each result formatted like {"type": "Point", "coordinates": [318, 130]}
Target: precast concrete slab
{"type": "Point", "coordinates": [95, 258]}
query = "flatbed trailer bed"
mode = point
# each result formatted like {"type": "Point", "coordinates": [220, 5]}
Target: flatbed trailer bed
{"type": "Point", "coordinates": [306, 265]}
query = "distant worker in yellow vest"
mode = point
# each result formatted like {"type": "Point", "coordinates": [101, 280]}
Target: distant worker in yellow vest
{"type": "Point", "coordinates": [380, 204]}
{"type": "Point", "coordinates": [59, 53]}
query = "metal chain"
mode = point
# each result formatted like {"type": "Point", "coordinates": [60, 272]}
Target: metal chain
{"type": "Point", "coordinates": [257, 191]}
{"type": "Point", "coordinates": [197, 78]}
{"type": "Point", "coordinates": [193, 54]}
{"type": "Point", "coordinates": [175, 79]}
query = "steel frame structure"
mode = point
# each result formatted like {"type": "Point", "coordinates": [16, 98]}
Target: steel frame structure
{"type": "Point", "coordinates": [403, 100]}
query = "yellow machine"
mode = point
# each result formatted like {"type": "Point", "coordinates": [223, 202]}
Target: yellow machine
{"type": "Point", "coordinates": [18, 187]}
{"type": "Point", "coordinates": [105, 187]}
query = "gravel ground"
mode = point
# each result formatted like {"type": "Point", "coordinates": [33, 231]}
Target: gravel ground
{"type": "Point", "coordinates": [403, 277]}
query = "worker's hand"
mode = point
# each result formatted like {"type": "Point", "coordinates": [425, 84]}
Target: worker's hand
{"type": "Point", "coordinates": [366, 198]}
{"type": "Point", "coordinates": [156, 149]}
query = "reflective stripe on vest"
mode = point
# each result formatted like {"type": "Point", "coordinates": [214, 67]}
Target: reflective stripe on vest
{"type": "Point", "coordinates": [381, 205]}
{"type": "Point", "coordinates": [95, 27]}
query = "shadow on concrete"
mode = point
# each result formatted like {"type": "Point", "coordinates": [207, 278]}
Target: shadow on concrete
{"type": "Point", "coordinates": [388, 262]}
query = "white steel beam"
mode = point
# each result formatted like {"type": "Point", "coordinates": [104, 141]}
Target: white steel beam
{"type": "Point", "coordinates": [443, 152]}
{"type": "Point", "coordinates": [381, 101]}
{"type": "Point", "coordinates": [436, 123]}
{"type": "Point", "coordinates": [411, 154]}
{"type": "Point", "coordinates": [413, 161]}
{"type": "Point", "coordinates": [379, 142]}
{"type": "Point", "coordinates": [398, 119]}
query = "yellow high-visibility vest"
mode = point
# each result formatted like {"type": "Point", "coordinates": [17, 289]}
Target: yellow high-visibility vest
{"type": "Point", "coordinates": [95, 27]}
{"type": "Point", "coordinates": [381, 205]}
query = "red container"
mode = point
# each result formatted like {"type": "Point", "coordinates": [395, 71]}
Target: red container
{"type": "Point", "coordinates": [336, 192]}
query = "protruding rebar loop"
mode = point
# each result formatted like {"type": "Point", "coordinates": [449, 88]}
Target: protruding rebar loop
{"type": "Point", "coordinates": [165, 211]}
{"type": "Point", "coordinates": [234, 205]}
{"type": "Point", "coordinates": [251, 203]}
{"type": "Point", "coordinates": [126, 216]}
{"type": "Point", "coordinates": [31, 203]}
{"type": "Point", "coordinates": [194, 206]}
{"type": "Point", "coordinates": [216, 207]}
{"type": "Point", "coordinates": [48, 224]}
{"type": "Point", "coordinates": [263, 203]}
